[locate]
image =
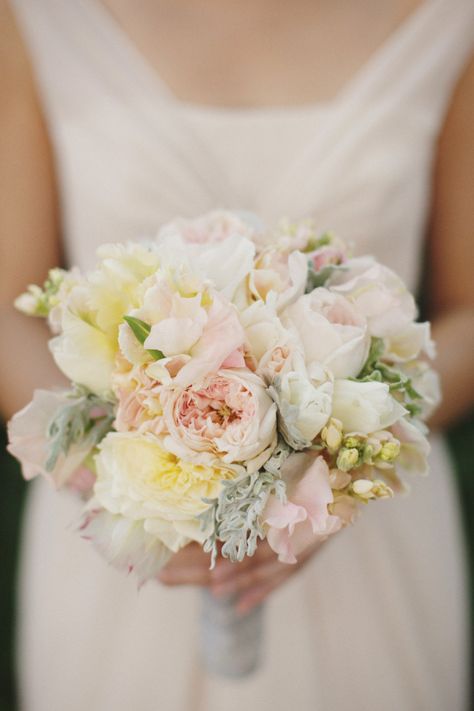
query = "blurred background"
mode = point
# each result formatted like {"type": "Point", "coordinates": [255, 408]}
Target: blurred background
{"type": "Point", "coordinates": [12, 496]}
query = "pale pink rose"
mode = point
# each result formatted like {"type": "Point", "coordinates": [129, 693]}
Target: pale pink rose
{"type": "Point", "coordinates": [227, 415]}
{"type": "Point", "coordinates": [304, 519]}
{"type": "Point", "coordinates": [332, 332]}
{"type": "Point", "coordinates": [28, 441]}
{"type": "Point", "coordinates": [377, 293]}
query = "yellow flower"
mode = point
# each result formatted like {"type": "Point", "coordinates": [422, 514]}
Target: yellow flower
{"type": "Point", "coordinates": [140, 480]}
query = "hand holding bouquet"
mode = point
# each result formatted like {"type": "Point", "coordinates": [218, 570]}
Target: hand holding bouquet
{"type": "Point", "coordinates": [230, 383]}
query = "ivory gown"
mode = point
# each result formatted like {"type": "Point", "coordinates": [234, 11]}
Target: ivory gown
{"type": "Point", "coordinates": [378, 620]}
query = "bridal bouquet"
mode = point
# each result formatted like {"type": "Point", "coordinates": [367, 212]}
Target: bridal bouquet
{"type": "Point", "coordinates": [230, 383]}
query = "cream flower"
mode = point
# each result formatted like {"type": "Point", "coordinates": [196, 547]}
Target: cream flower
{"type": "Point", "coordinates": [365, 407]}
{"type": "Point", "coordinates": [141, 481]}
{"type": "Point", "coordinates": [228, 415]}
{"type": "Point", "coordinates": [377, 293]}
{"type": "Point", "coordinates": [332, 332]}
{"type": "Point", "coordinates": [304, 406]}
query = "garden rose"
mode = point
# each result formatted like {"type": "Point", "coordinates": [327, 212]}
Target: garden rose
{"type": "Point", "coordinates": [332, 332]}
{"type": "Point", "coordinates": [141, 481]}
{"type": "Point", "coordinates": [227, 415]}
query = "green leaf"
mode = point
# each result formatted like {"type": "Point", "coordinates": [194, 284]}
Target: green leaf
{"type": "Point", "coordinates": [141, 331]}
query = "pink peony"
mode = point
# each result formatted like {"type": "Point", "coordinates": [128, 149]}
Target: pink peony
{"type": "Point", "coordinates": [304, 519]}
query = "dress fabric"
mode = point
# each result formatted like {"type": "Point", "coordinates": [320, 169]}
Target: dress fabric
{"type": "Point", "coordinates": [378, 619]}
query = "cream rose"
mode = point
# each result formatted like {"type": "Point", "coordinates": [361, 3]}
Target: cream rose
{"type": "Point", "coordinates": [332, 332]}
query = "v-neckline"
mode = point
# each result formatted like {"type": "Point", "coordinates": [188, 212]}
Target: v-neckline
{"type": "Point", "coordinates": [147, 73]}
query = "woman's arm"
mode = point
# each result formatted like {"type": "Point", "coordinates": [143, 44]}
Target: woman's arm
{"type": "Point", "coordinates": [29, 243]}
{"type": "Point", "coordinates": [451, 260]}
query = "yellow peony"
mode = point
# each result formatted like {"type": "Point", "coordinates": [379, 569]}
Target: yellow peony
{"type": "Point", "coordinates": [140, 480]}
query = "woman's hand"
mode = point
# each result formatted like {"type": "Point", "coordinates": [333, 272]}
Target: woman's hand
{"type": "Point", "coordinates": [252, 580]}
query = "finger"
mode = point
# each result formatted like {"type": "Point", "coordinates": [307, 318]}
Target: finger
{"type": "Point", "coordinates": [226, 569]}
{"type": "Point", "coordinates": [184, 575]}
{"type": "Point", "coordinates": [244, 579]}
{"type": "Point", "coordinates": [256, 595]}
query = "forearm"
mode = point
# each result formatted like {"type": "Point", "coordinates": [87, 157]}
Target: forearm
{"type": "Point", "coordinates": [25, 361]}
{"type": "Point", "coordinates": [454, 336]}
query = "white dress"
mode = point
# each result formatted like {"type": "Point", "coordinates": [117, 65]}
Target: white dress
{"type": "Point", "coordinates": [378, 620]}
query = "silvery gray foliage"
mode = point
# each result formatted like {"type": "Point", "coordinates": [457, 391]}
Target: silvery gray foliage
{"type": "Point", "coordinates": [235, 517]}
{"type": "Point", "coordinates": [77, 423]}
{"type": "Point", "coordinates": [288, 415]}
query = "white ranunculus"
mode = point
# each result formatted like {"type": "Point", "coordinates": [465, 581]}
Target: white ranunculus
{"type": "Point", "coordinates": [332, 332]}
{"type": "Point", "coordinates": [304, 407]}
{"type": "Point", "coordinates": [377, 293]}
{"type": "Point", "coordinates": [141, 481]}
{"type": "Point", "coordinates": [365, 407]}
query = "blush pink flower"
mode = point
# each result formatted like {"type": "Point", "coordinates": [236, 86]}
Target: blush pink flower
{"type": "Point", "coordinates": [213, 227]}
{"type": "Point", "coordinates": [29, 443]}
{"type": "Point", "coordinates": [304, 519]}
{"type": "Point", "coordinates": [139, 407]}
{"type": "Point", "coordinates": [228, 415]}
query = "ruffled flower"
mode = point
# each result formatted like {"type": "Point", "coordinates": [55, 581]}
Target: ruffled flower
{"type": "Point", "coordinates": [304, 518]}
{"type": "Point", "coordinates": [227, 415]}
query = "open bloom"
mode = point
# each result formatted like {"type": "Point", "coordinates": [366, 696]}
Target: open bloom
{"type": "Point", "coordinates": [29, 443]}
{"type": "Point", "coordinates": [377, 293]}
{"type": "Point", "coordinates": [304, 518]}
{"type": "Point", "coordinates": [141, 481]}
{"type": "Point", "coordinates": [190, 321]}
{"type": "Point", "coordinates": [227, 415]}
{"type": "Point", "coordinates": [332, 332]}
